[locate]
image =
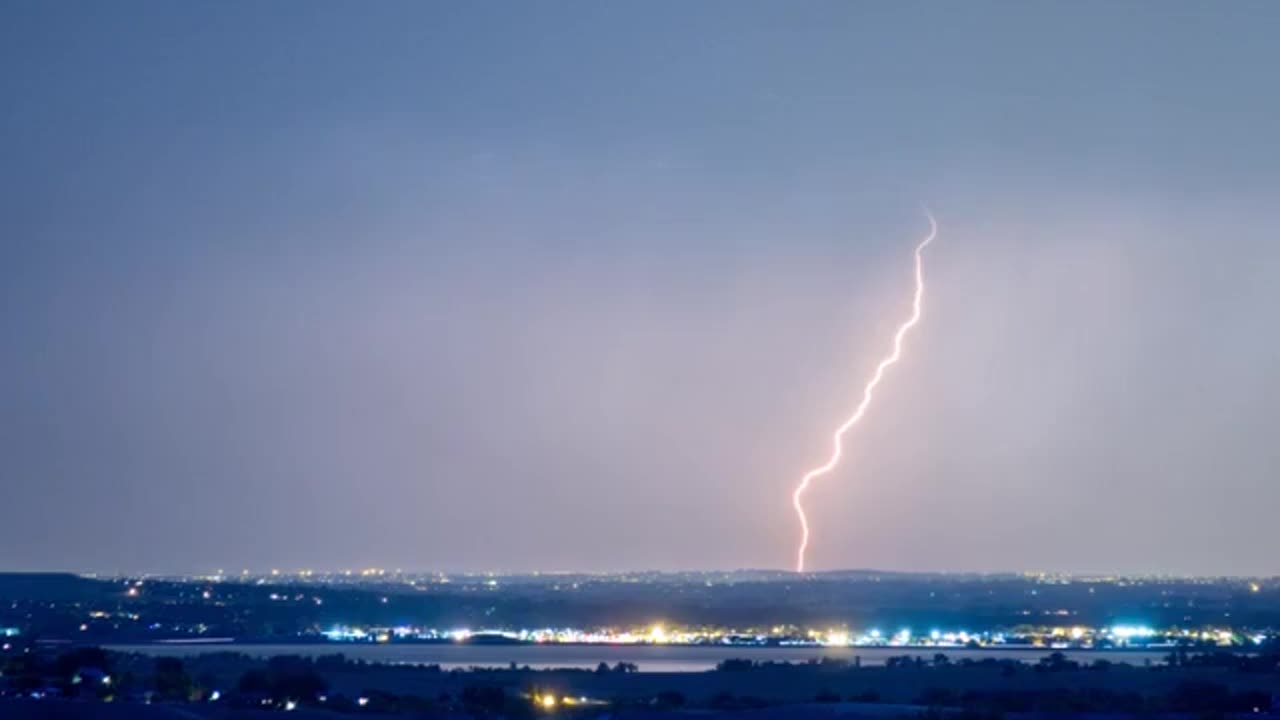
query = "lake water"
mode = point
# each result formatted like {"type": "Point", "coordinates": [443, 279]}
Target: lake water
{"type": "Point", "coordinates": [649, 658]}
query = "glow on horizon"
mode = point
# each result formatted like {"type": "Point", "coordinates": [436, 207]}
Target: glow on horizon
{"type": "Point", "coordinates": [866, 395]}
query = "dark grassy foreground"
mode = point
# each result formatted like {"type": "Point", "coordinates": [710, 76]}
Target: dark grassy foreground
{"type": "Point", "coordinates": [905, 683]}
{"type": "Point", "coordinates": [234, 685]}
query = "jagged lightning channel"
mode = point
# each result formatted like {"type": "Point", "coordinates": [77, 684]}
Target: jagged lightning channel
{"type": "Point", "coordinates": [866, 394]}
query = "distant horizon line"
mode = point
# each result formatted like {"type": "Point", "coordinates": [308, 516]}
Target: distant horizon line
{"type": "Point", "coordinates": [781, 573]}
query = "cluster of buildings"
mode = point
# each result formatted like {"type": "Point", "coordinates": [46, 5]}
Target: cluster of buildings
{"type": "Point", "coordinates": [1075, 637]}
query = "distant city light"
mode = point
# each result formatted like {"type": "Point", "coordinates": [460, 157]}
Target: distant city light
{"type": "Point", "coordinates": [1053, 636]}
{"type": "Point", "coordinates": [1128, 632]}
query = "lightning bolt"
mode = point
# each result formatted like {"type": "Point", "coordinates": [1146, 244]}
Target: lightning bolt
{"type": "Point", "coordinates": [866, 394]}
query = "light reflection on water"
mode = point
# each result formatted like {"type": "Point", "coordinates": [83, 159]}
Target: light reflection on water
{"type": "Point", "coordinates": [649, 658]}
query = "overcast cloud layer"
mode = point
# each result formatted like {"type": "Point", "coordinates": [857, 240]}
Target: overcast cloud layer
{"type": "Point", "coordinates": [586, 286]}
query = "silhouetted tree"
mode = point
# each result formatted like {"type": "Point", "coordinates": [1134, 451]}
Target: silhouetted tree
{"type": "Point", "coordinates": [668, 700]}
{"type": "Point", "coordinates": [80, 658]}
{"type": "Point", "coordinates": [172, 680]}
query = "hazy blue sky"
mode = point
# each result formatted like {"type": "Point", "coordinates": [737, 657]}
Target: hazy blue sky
{"type": "Point", "coordinates": [586, 285]}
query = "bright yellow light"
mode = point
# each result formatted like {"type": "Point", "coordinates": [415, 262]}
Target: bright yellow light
{"type": "Point", "coordinates": [547, 701]}
{"type": "Point", "coordinates": [1254, 587]}
{"type": "Point", "coordinates": [658, 634]}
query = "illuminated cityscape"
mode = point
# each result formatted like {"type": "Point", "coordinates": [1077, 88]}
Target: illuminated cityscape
{"type": "Point", "coordinates": [569, 643]}
{"type": "Point", "coordinates": [1004, 611]}
{"type": "Point", "coordinates": [1055, 638]}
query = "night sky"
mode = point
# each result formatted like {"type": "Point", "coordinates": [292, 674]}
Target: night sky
{"type": "Point", "coordinates": [584, 285]}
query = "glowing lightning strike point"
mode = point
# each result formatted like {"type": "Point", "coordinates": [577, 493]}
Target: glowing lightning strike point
{"type": "Point", "coordinates": [866, 395]}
